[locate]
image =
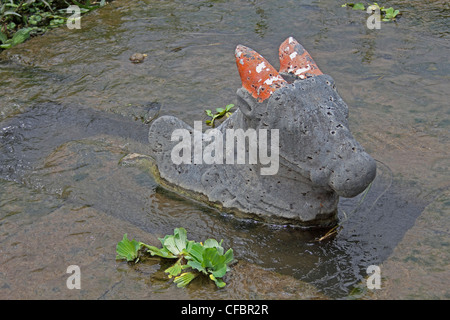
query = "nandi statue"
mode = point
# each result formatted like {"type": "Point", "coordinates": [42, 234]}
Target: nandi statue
{"type": "Point", "coordinates": [313, 157]}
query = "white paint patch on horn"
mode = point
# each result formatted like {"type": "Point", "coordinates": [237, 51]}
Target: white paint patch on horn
{"type": "Point", "coordinates": [272, 79]}
{"type": "Point", "coordinates": [302, 70]}
{"type": "Point", "coordinates": [260, 66]}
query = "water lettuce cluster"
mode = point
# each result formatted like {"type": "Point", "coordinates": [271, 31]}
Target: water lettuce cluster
{"type": "Point", "coordinates": [192, 258]}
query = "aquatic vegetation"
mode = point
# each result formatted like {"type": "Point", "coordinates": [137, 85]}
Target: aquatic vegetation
{"type": "Point", "coordinates": [193, 258]}
{"type": "Point", "coordinates": [19, 37]}
{"type": "Point", "coordinates": [220, 112]}
{"type": "Point", "coordinates": [22, 19]}
{"type": "Point", "coordinates": [127, 249]}
{"type": "Point", "coordinates": [388, 14]}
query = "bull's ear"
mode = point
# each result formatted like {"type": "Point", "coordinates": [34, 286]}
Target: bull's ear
{"type": "Point", "coordinates": [258, 76]}
{"type": "Point", "coordinates": [296, 61]}
{"type": "Point", "coordinates": [246, 103]}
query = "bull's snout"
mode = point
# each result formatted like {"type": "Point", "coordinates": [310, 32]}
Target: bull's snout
{"type": "Point", "coordinates": [352, 176]}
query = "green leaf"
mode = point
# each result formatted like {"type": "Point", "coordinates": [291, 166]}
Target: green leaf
{"type": "Point", "coordinates": [211, 243]}
{"type": "Point", "coordinates": [390, 14]}
{"type": "Point", "coordinates": [358, 6]}
{"type": "Point", "coordinates": [209, 113]}
{"type": "Point", "coordinates": [220, 110]}
{"type": "Point", "coordinates": [6, 13]}
{"type": "Point", "coordinates": [175, 243]}
{"type": "Point", "coordinates": [174, 270]}
{"type": "Point", "coordinates": [163, 253]}
{"type": "Point", "coordinates": [196, 252]}
{"type": "Point", "coordinates": [194, 264]}
{"type": "Point", "coordinates": [220, 271]}
{"type": "Point", "coordinates": [184, 279]}
{"type": "Point", "coordinates": [229, 106]}
{"type": "Point", "coordinates": [127, 249]}
{"type": "Point", "coordinates": [5, 45]}
{"type": "Point", "coordinates": [11, 26]}
{"type": "Point", "coordinates": [169, 243]}
{"type": "Point", "coordinates": [20, 36]}
{"type": "Point", "coordinates": [180, 239]}
{"type": "Point", "coordinates": [11, 4]}
{"type": "Point", "coordinates": [228, 256]}
{"type": "Point", "coordinates": [3, 37]}
{"type": "Point", "coordinates": [162, 240]}
{"type": "Point", "coordinates": [218, 282]}
{"type": "Point", "coordinates": [211, 258]}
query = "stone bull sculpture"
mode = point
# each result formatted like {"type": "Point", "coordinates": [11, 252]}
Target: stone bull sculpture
{"type": "Point", "coordinates": [318, 158]}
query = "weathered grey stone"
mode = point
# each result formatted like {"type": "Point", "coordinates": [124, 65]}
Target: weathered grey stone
{"type": "Point", "coordinates": [319, 160]}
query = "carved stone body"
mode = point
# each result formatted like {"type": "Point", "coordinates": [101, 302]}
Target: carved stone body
{"type": "Point", "coordinates": [319, 160]}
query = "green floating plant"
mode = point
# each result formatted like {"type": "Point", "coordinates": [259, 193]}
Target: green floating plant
{"type": "Point", "coordinates": [128, 250]}
{"type": "Point", "coordinates": [220, 112]}
{"type": "Point", "coordinates": [193, 258]}
{"type": "Point", "coordinates": [388, 14]}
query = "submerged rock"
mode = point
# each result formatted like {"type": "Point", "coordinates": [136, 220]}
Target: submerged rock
{"type": "Point", "coordinates": [138, 57]}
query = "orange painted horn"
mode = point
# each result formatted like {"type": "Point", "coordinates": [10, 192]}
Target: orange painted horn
{"type": "Point", "coordinates": [258, 76]}
{"type": "Point", "coordinates": [296, 60]}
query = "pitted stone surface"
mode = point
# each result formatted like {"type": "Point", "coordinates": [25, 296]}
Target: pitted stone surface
{"type": "Point", "coordinates": [319, 159]}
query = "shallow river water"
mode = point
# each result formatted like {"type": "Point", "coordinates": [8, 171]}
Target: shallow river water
{"type": "Point", "coordinates": [72, 106]}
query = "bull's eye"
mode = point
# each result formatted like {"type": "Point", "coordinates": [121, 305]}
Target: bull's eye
{"type": "Point", "coordinates": [333, 132]}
